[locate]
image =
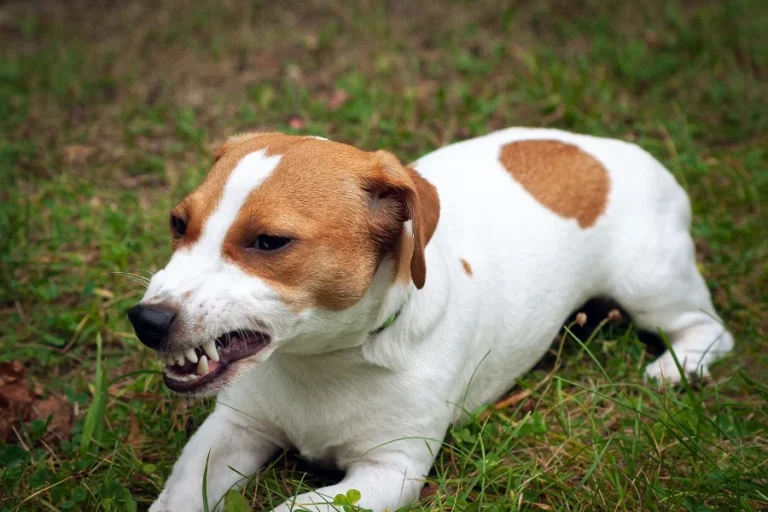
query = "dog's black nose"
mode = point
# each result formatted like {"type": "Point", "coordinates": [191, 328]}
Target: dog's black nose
{"type": "Point", "coordinates": [151, 324]}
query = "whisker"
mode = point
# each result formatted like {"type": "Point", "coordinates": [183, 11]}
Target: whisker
{"type": "Point", "coordinates": [135, 277]}
{"type": "Point", "coordinates": [148, 272]}
{"type": "Point", "coordinates": [134, 280]}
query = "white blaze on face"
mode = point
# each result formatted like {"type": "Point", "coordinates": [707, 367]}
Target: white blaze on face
{"type": "Point", "coordinates": [197, 279]}
{"type": "Point", "coordinates": [250, 172]}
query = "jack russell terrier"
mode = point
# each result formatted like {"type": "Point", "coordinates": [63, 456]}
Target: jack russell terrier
{"type": "Point", "coordinates": [349, 306]}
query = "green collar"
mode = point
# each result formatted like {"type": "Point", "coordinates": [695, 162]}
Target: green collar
{"type": "Point", "coordinates": [389, 321]}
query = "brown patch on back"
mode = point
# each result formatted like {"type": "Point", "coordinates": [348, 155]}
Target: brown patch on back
{"type": "Point", "coordinates": [560, 176]}
{"type": "Point", "coordinates": [467, 267]}
{"type": "Point", "coordinates": [239, 138]}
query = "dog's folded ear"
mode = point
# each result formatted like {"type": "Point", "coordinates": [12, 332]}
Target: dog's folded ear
{"type": "Point", "coordinates": [399, 194]}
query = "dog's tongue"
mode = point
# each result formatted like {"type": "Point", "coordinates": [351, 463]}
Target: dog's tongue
{"type": "Point", "coordinates": [242, 345]}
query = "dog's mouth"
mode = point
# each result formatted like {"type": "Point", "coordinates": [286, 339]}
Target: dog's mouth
{"type": "Point", "coordinates": [211, 364]}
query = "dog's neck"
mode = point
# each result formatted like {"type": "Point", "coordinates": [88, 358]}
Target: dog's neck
{"type": "Point", "coordinates": [388, 322]}
{"type": "Point", "coordinates": [381, 328]}
{"type": "Point", "coordinates": [378, 328]}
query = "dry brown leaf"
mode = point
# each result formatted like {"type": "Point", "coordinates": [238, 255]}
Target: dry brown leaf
{"type": "Point", "coordinates": [428, 490]}
{"type": "Point", "coordinates": [508, 402]}
{"type": "Point", "coordinates": [513, 400]}
{"type": "Point", "coordinates": [60, 412]}
{"type": "Point", "coordinates": [11, 372]}
{"type": "Point", "coordinates": [134, 436]}
{"type": "Point", "coordinates": [19, 403]}
{"type": "Point", "coordinates": [15, 398]}
{"type": "Point", "coordinates": [77, 153]}
{"type": "Point", "coordinates": [15, 402]}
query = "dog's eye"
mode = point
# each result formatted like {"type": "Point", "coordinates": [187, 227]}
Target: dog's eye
{"type": "Point", "coordinates": [178, 226]}
{"type": "Point", "coordinates": [268, 243]}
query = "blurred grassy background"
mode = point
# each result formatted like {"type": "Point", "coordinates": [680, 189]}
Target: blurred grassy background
{"type": "Point", "coordinates": [108, 113]}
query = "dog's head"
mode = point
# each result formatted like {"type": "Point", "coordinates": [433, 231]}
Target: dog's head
{"type": "Point", "coordinates": [281, 241]}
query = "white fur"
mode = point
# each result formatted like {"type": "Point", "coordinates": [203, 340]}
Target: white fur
{"type": "Point", "coordinates": [219, 295]}
{"type": "Point", "coordinates": [379, 406]}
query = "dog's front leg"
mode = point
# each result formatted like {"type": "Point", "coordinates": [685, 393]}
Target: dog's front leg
{"type": "Point", "coordinates": [231, 450]}
{"type": "Point", "coordinates": [383, 485]}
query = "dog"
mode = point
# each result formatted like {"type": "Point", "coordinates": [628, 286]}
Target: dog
{"type": "Point", "coordinates": [351, 307]}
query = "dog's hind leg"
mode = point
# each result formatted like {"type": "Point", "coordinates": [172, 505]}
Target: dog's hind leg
{"type": "Point", "coordinates": [660, 286]}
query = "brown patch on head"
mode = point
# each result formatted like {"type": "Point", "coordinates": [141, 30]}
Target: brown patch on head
{"type": "Point", "coordinates": [238, 139]}
{"type": "Point", "coordinates": [467, 267]}
{"type": "Point", "coordinates": [200, 204]}
{"type": "Point", "coordinates": [344, 209]}
{"type": "Point", "coordinates": [562, 177]}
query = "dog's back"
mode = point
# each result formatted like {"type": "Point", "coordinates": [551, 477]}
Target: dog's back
{"type": "Point", "coordinates": [547, 219]}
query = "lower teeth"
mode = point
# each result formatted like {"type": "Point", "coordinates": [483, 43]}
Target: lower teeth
{"type": "Point", "coordinates": [183, 378]}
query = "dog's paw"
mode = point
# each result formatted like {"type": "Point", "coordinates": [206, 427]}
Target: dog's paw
{"type": "Point", "coordinates": [665, 371]}
{"type": "Point", "coordinates": [159, 505]}
{"type": "Point", "coordinates": [310, 502]}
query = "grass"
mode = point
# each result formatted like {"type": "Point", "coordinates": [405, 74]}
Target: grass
{"type": "Point", "coordinates": [108, 113]}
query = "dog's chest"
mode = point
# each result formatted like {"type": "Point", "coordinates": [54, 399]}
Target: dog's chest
{"type": "Point", "coordinates": [328, 457]}
{"type": "Point", "coordinates": [333, 417]}
{"type": "Point", "coordinates": [333, 426]}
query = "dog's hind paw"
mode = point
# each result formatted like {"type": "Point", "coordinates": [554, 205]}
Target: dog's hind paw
{"type": "Point", "coordinates": [665, 371]}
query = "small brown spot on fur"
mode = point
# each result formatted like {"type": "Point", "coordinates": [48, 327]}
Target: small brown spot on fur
{"type": "Point", "coordinates": [560, 176]}
{"type": "Point", "coordinates": [467, 267]}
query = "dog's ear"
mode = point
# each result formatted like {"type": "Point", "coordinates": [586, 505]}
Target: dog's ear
{"type": "Point", "coordinates": [233, 141]}
{"type": "Point", "coordinates": [399, 194]}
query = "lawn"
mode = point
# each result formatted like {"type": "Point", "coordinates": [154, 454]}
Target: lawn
{"type": "Point", "coordinates": [108, 115]}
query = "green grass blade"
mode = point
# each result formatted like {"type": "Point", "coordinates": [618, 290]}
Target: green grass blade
{"type": "Point", "coordinates": [596, 462]}
{"type": "Point", "coordinates": [236, 502]}
{"type": "Point", "coordinates": [205, 483]}
{"type": "Point", "coordinates": [93, 426]}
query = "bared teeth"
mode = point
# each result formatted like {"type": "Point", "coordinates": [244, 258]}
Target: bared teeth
{"type": "Point", "coordinates": [191, 355]}
{"type": "Point", "coordinates": [209, 347]}
{"type": "Point", "coordinates": [202, 365]}
{"type": "Point", "coordinates": [180, 359]}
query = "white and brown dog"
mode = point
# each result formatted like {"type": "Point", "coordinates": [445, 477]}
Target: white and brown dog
{"type": "Point", "coordinates": [341, 303]}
